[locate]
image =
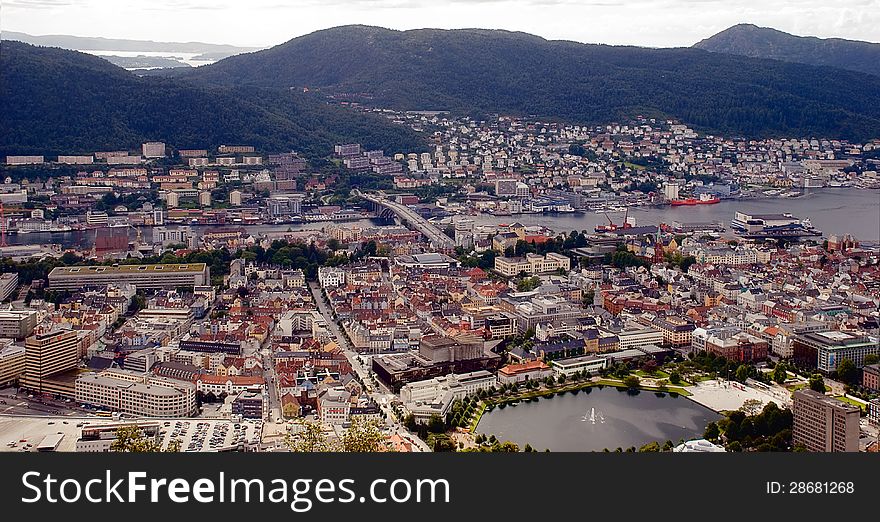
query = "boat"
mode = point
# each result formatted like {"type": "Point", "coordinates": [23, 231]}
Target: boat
{"type": "Point", "coordinates": [704, 199]}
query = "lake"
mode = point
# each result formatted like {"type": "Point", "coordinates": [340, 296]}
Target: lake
{"type": "Point", "coordinates": [595, 419]}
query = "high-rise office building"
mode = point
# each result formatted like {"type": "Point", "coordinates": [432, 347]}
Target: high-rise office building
{"type": "Point", "coordinates": [822, 423]}
{"type": "Point", "coordinates": [49, 354]}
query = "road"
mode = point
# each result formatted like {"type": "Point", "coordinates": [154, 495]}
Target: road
{"type": "Point", "coordinates": [342, 340]}
{"type": "Point", "coordinates": [272, 386]}
{"type": "Point", "coordinates": [376, 390]}
{"type": "Point", "coordinates": [413, 219]}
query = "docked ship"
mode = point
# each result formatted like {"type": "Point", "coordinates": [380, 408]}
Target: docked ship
{"type": "Point", "coordinates": [704, 199]}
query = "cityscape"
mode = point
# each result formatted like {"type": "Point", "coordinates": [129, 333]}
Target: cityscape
{"type": "Point", "coordinates": [423, 277]}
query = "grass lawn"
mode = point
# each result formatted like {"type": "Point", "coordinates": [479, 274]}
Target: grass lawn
{"type": "Point", "coordinates": [852, 402]}
{"type": "Point", "coordinates": [659, 374]}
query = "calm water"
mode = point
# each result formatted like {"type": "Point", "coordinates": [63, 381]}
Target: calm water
{"type": "Point", "coordinates": [833, 211]}
{"type": "Point", "coordinates": [598, 419]}
{"type": "Point", "coordinates": [85, 239]}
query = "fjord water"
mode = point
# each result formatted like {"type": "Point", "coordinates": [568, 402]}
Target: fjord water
{"type": "Point", "coordinates": [833, 211]}
{"type": "Point", "coordinates": [598, 418]}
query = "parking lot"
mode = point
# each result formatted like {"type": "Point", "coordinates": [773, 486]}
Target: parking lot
{"type": "Point", "coordinates": [211, 435]}
{"type": "Point", "coordinates": [25, 432]}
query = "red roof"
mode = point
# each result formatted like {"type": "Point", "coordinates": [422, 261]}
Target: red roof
{"type": "Point", "coordinates": [526, 367]}
{"type": "Point", "coordinates": [234, 379]}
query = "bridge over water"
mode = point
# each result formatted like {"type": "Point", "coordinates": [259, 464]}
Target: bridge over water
{"type": "Point", "coordinates": [385, 207]}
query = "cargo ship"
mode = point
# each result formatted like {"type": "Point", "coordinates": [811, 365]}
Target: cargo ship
{"type": "Point", "coordinates": [704, 199]}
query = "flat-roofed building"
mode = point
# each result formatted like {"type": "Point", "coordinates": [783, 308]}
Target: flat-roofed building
{"type": "Point", "coordinates": [825, 350]}
{"type": "Point", "coordinates": [585, 363]}
{"type": "Point", "coordinates": [98, 438]}
{"type": "Point", "coordinates": [250, 404]}
{"type": "Point", "coordinates": [17, 324]}
{"type": "Point", "coordinates": [76, 160]}
{"type": "Point", "coordinates": [435, 396]}
{"type": "Point", "coordinates": [635, 337]}
{"type": "Point", "coordinates": [24, 160]}
{"type": "Point", "coordinates": [137, 393]}
{"type": "Point", "coordinates": [165, 276]}
{"type": "Point", "coordinates": [153, 149]}
{"type": "Point", "coordinates": [47, 355]}
{"type": "Point", "coordinates": [12, 362]}
{"type": "Point", "coordinates": [531, 264]}
{"type": "Point", "coordinates": [8, 284]}
{"type": "Point", "coordinates": [822, 423]}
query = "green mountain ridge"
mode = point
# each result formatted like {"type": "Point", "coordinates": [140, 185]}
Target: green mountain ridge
{"type": "Point", "coordinates": [57, 101]}
{"type": "Point", "coordinates": [763, 42]}
{"type": "Point", "coordinates": [516, 73]}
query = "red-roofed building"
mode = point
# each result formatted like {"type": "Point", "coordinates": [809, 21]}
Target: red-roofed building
{"type": "Point", "coordinates": [229, 384]}
{"type": "Point", "coordinates": [532, 370]}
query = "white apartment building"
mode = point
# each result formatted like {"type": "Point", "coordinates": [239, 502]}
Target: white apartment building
{"type": "Point", "coordinates": [153, 149]}
{"type": "Point", "coordinates": [727, 256]}
{"type": "Point", "coordinates": [331, 277]}
{"type": "Point", "coordinates": [435, 396]}
{"type": "Point", "coordinates": [630, 338]}
{"type": "Point", "coordinates": [137, 393]}
{"type": "Point", "coordinates": [531, 264]}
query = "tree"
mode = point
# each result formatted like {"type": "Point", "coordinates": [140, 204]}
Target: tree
{"type": "Point", "coordinates": [712, 432]}
{"type": "Point", "coordinates": [674, 377]}
{"type": "Point", "coordinates": [847, 371]}
{"type": "Point", "coordinates": [871, 359]}
{"type": "Point", "coordinates": [362, 436]}
{"type": "Point", "coordinates": [742, 373]}
{"type": "Point", "coordinates": [651, 447]}
{"type": "Point", "coordinates": [779, 374]}
{"type": "Point", "coordinates": [528, 284]}
{"type": "Point", "coordinates": [817, 383]}
{"type": "Point", "coordinates": [751, 406]}
{"type": "Point", "coordinates": [436, 424]}
{"type": "Point", "coordinates": [631, 381]}
{"type": "Point", "coordinates": [440, 442]}
{"type": "Point", "coordinates": [132, 439]}
{"type": "Point", "coordinates": [309, 439]}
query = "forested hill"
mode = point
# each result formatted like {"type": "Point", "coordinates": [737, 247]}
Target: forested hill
{"type": "Point", "coordinates": [763, 42]}
{"type": "Point", "coordinates": [484, 70]}
{"type": "Point", "coordinates": [56, 101]}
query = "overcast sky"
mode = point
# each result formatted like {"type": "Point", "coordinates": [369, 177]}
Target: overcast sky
{"type": "Point", "coordinates": [657, 23]}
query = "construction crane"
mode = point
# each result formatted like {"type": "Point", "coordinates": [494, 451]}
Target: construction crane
{"type": "Point", "coordinates": [612, 226]}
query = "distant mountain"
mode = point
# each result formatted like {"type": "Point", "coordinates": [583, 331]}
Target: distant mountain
{"type": "Point", "coordinates": [516, 73]}
{"type": "Point", "coordinates": [762, 42]}
{"type": "Point", "coordinates": [88, 43]}
{"type": "Point", "coordinates": [58, 101]}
